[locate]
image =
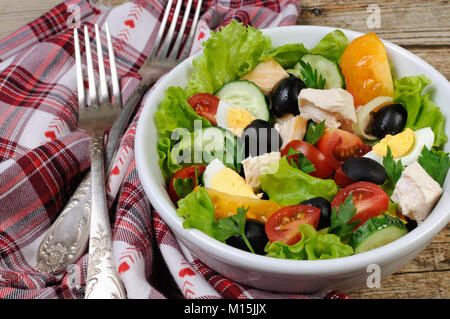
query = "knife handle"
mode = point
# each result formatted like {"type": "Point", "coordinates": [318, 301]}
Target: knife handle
{"type": "Point", "coordinates": [122, 121]}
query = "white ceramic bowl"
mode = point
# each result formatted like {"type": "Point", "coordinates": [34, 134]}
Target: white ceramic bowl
{"type": "Point", "coordinates": [281, 275]}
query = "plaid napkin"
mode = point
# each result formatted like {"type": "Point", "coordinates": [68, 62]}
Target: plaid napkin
{"type": "Point", "coordinates": [43, 156]}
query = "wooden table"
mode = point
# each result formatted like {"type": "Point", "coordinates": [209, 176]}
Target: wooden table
{"type": "Point", "coordinates": [421, 26]}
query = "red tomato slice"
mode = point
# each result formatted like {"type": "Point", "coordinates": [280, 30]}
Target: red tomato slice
{"type": "Point", "coordinates": [324, 167]}
{"type": "Point", "coordinates": [283, 224]}
{"type": "Point", "coordinates": [205, 104]}
{"type": "Point", "coordinates": [341, 178]}
{"type": "Point", "coordinates": [369, 199]}
{"type": "Point", "coordinates": [184, 173]}
{"type": "Point", "coordinates": [339, 145]}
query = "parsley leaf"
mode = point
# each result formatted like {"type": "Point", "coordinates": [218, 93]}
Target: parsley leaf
{"type": "Point", "coordinates": [300, 162]}
{"type": "Point", "coordinates": [311, 77]}
{"type": "Point", "coordinates": [233, 225]}
{"type": "Point", "coordinates": [393, 171]}
{"type": "Point", "coordinates": [185, 186]}
{"type": "Point", "coordinates": [435, 163]}
{"type": "Point", "coordinates": [340, 218]}
{"type": "Point", "coordinates": [314, 132]}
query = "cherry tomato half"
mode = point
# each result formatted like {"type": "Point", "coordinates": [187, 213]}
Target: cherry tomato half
{"type": "Point", "coordinates": [184, 173]}
{"type": "Point", "coordinates": [341, 178]}
{"type": "Point", "coordinates": [324, 167]}
{"type": "Point", "coordinates": [283, 224]}
{"type": "Point", "coordinates": [339, 145]}
{"type": "Point", "coordinates": [205, 104]}
{"type": "Point", "coordinates": [369, 199]}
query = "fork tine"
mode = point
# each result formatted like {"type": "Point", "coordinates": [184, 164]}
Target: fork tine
{"type": "Point", "coordinates": [176, 46]}
{"type": "Point", "coordinates": [161, 29]}
{"type": "Point", "coordinates": [112, 67]}
{"type": "Point", "coordinates": [103, 92]}
{"type": "Point", "coordinates": [90, 69]}
{"type": "Point", "coordinates": [169, 36]}
{"type": "Point", "coordinates": [79, 71]}
{"type": "Point", "coordinates": [189, 41]}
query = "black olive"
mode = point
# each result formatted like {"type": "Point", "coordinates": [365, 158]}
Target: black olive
{"type": "Point", "coordinates": [256, 235]}
{"type": "Point", "coordinates": [364, 169]}
{"type": "Point", "coordinates": [389, 119]}
{"type": "Point", "coordinates": [284, 98]}
{"type": "Point", "coordinates": [410, 224]}
{"type": "Point", "coordinates": [325, 210]}
{"type": "Point", "coordinates": [259, 138]}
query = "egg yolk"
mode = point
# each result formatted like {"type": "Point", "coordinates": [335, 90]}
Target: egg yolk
{"type": "Point", "coordinates": [228, 181]}
{"type": "Point", "coordinates": [238, 120]}
{"type": "Point", "coordinates": [399, 144]}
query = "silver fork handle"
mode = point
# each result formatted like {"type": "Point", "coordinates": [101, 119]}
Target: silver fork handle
{"type": "Point", "coordinates": [103, 281]}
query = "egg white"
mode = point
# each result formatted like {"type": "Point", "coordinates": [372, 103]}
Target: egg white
{"type": "Point", "coordinates": [215, 166]}
{"type": "Point", "coordinates": [422, 137]}
{"type": "Point", "coordinates": [221, 114]}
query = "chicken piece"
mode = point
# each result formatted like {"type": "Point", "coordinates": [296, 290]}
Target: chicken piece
{"type": "Point", "coordinates": [266, 75]}
{"type": "Point", "coordinates": [253, 167]}
{"type": "Point", "coordinates": [416, 192]}
{"type": "Point", "coordinates": [334, 106]}
{"type": "Point", "coordinates": [290, 127]}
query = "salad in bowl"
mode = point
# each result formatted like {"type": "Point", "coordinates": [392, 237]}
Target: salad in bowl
{"type": "Point", "coordinates": [296, 152]}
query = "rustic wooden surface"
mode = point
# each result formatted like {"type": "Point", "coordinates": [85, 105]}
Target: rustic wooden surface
{"type": "Point", "coordinates": [421, 26]}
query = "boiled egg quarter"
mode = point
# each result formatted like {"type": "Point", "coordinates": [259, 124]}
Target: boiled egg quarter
{"type": "Point", "coordinates": [221, 178]}
{"type": "Point", "coordinates": [405, 146]}
{"type": "Point", "coordinates": [233, 118]}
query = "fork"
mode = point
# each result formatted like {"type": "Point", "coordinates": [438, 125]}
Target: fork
{"type": "Point", "coordinates": [67, 238]}
{"type": "Point", "coordinates": [96, 115]}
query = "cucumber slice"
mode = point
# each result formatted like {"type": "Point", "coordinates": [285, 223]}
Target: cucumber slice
{"type": "Point", "coordinates": [329, 70]}
{"type": "Point", "coordinates": [245, 95]}
{"type": "Point", "coordinates": [376, 232]}
{"type": "Point", "coordinates": [204, 145]}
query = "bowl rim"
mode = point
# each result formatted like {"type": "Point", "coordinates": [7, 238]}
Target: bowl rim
{"type": "Point", "coordinates": [408, 244]}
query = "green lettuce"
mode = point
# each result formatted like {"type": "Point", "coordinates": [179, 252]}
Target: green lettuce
{"type": "Point", "coordinates": [288, 55]}
{"type": "Point", "coordinates": [312, 246]}
{"type": "Point", "coordinates": [175, 112]}
{"type": "Point", "coordinates": [197, 209]}
{"type": "Point", "coordinates": [167, 164]}
{"type": "Point", "coordinates": [228, 55]}
{"type": "Point", "coordinates": [289, 186]}
{"type": "Point", "coordinates": [332, 45]}
{"type": "Point", "coordinates": [422, 112]}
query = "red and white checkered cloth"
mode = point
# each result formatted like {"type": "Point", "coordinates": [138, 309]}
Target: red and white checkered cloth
{"type": "Point", "coordinates": [43, 156]}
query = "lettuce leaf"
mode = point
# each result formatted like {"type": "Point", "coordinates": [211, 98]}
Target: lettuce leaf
{"type": "Point", "coordinates": [228, 55]}
{"type": "Point", "coordinates": [332, 45]}
{"type": "Point", "coordinates": [175, 112]}
{"type": "Point", "coordinates": [288, 55]}
{"type": "Point", "coordinates": [289, 186]}
{"type": "Point", "coordinates": [422, 112]}
{"type": "Point", "coordinates": [312, 246]}
{"type": "Point", "coordinates": [197, 209]}
{"type": "Point", "coordinates": [166, 163]}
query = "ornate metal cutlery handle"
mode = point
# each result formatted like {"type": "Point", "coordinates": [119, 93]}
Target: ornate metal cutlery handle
{"type": "Point", "coordinates": [103, 281]}
{"type": "Point", "coordinates": [67, 238]}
